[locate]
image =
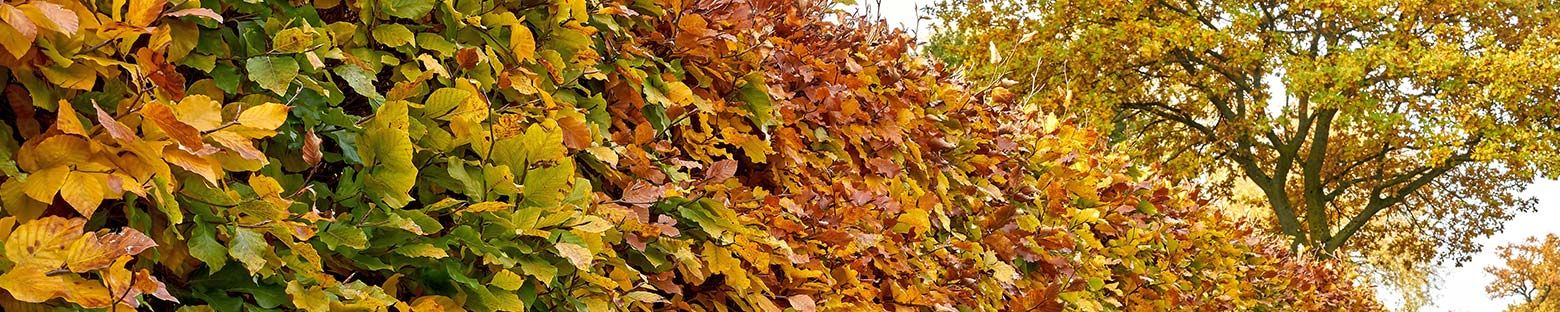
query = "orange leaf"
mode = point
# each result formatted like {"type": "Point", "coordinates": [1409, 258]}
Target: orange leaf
{"type": "Point", "coordinates": [238, 143]}
{"type": "Point", "coordinates": [576, 134]}
{"type": "Point", "coordinates": [115, 129]}
{"type": "Point", "coordinates": [67, 121]}
{"type": "Point", "coordinates": [187, 136]}
{"type": "Point", "coordinates": [205, 167]}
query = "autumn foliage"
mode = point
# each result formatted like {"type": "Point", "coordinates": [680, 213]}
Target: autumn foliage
{"type": "Point", "coordinates": [1529, 273]}
{"type": "Point", "coordinates": [429, 155]}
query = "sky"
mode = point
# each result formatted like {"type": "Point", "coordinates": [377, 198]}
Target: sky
{"type": "Point", "coordinates": [1460, 289]}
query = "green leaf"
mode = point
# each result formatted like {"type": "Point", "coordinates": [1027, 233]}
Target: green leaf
{"type": "Point", "coordinates": [756, 96]}
{"type": "Point", "coordinates": [409, 9]}
{"type": "Point", "coordinates": [226, 77]}
{"type": "Point", "coordinates": [344, 235]}
{"type": "Point", "coordinates": [712, 217]}
{"type": "Point", "coordinates": [545, 187]}
{"type": "Point", "coordinates": [386, 149]}
{"type": "Point", "coordinates": [249, 247]}
{"type": "Point", "coordinates": [424, 250]}
{"type": "Point", "coordinates": [444, 101]}
{"type": "Point", "coordinates": [394, 35]}
{"type": "Point", "coordinates": [204, 246]}
{"type": "Point", "coordinates": [273, 73]}
{"type": "Point", "coordinates": [433, 42]}
{"type": "Point", "coordinates": [361, 81]}
{"type": "Point", "coordinates": [540, 269]}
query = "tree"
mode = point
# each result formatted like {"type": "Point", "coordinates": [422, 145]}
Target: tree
{"type": "Point", "coordinates": [1531, 272]}
{"type": "Point", "coordinates": [1406, 126]}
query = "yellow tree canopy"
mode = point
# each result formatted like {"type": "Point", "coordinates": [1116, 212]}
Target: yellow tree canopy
{"type": "Point", "coordinates": [1407, 127]}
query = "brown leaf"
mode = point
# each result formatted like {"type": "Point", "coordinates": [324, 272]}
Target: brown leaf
{"type": "Point", "coordinates": [98, 251]}
{"type": "Point", "coordinates": [19, 21]}
{"type": "Point", "coordinates": [642, 194]}
{"type": "Point", "coordinates": [467, 58]}
{"type": "Point", "coordinates": [200, 12]}
{"type": "Point", "coordinates": [146, 284]}
{"type": "Point", "coordinates": [164, 75]}
{"type": "Point", "coordinates": [21, 105]}
{"type": "Point", "coordinates": [721, 170]}
{"type": "Point", "coordinates": [883, 166]}
{"type": "Point", "coordinates": [311, 148]}
{"type": "Point", "coordinates": [803, 303]}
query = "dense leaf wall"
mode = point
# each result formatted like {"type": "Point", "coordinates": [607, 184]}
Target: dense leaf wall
{"type": "Point", "coordinates": [571, 155]}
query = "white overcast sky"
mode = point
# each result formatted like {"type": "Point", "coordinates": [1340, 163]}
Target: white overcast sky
{"type": "Point", "coordinates": [1460, 289]}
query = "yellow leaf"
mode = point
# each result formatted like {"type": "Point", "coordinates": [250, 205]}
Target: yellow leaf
{"type": "Point", "coordinates": [914, 220]}
{"type": "Point", "coordinates": [57, 150]}
{"type": "Point", "coordinates": [507, 280]}
{"type": "Point", "coordinates": [67, 121]}
{"type": "Point", "coordinates": [20, 30]}
{"type": "Point", "coordinates": [488, 206]}
{"type": "Point", "coordinates": [580, 12]}
{"type": "Point", "coordinates": [267, 116]}
{"type": "Point", "coordinates": [1001, 270]}
{"type": "Point", "coordinates": [42, 185]}
{"type": "Point", "coordinates": [6, 225]}
{"type": "Point", "coordinates": [265, 186]}
{"type": "Point", "coordinates": [31, 283]}
{"type": "Point", "coordinates": [436, 304]}
{"type": "Point", "coordinates": [605, 154]}
{"type": "Point", "coordinates": [84, 191]}
{"type": "Point", "coordinates": [199, 111]}
{"type": "Point", "coordinates": [577, 255]}
{"type": "Point", "coordinates": [79, 76]}
{"type": "Point", "coordinates": [425, 250]}
{"type": "Point", "coordinates": [522, 42]}
{"type": "Point", "coordinates": [292, 40]}
{"type": "Point", "coordinates": [310, 299]}
{"type": "Point", "coordinates": [143, 12]}
{"type": "Point", "coordinates": [238, 144]}
{"type": "Point", "coordinates": [721, 261]}
{"type": "Point", "coordinates": [42, 241]}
